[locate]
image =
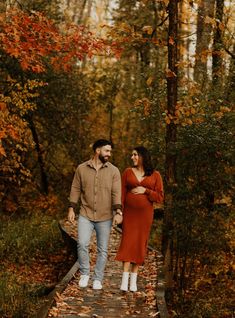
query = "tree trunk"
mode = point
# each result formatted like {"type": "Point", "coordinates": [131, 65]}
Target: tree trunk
{"type": "Point", "coordinates": [170, 164]}
{"type": "Point", "coordinates": [230, 81]}
{"type": "Point", "coordinates": [217, 60]}
{"type": "Point", "coordinates": [110, 108]}
{"type": "Point", "coordinates": [82, 9]}
{"type": "Point", "coordinates": [205, 9]}
{"type": "Point", "coordinates": [44, 179]}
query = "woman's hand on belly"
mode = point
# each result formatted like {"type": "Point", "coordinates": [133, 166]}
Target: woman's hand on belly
{"type": "Point", "coordinates": [137, 202]}
{"type": "Point", "coordinates": [138, 190]}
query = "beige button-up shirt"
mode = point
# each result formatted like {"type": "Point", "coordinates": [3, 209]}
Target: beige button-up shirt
{"type": "Point", "coordinates": [99, 191]}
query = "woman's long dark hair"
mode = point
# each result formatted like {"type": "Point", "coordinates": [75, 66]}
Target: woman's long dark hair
{"type": "Point", "coordinates": [147, 162]}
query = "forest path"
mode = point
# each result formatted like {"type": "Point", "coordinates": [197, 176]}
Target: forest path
{"type": "Point", "coordinates": [70, 301]}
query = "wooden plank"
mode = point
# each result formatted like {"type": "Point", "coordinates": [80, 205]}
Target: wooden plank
{"type": "Point", "coordinates": [161, 301]}
{"type": "Point", "coordinates": [110, 301]}
{"type": "Point", "coordinates": [71, 301]}
{"type": "Point", "coordinates": [43, 311]}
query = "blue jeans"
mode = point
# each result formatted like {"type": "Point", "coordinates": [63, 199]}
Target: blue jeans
{"type": "Point", "coordinates": [85, 229]}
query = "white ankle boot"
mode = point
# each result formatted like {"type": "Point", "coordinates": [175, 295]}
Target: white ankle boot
{"type": "Point", "coordinates": [133, 280]}
{"type": "Point", "coordinates": [125, 278]}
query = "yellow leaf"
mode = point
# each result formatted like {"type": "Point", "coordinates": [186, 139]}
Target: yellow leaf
{"type": "Point", "coordinates": [209, 20]}
{"type": "Point", "coordinates": [199, 120]}
{"type": "Point", "coordinates": [137, 102]}
{"type": "Point", "coordinates": [189, 122]}
{"type": "Point", "coordinates": [125, 27]}
{"type": "Point", "coordinates": [166, 2]}
{"type": "Point", "coordinates": [149, 81]}
{"type": "Point", "coordinates": [168, 121]}
{"type": "Point", "coordinates": [192, 110]}
{"type": "Point", "coordinates": [225, 109]}
{"type": "Point", "coordinates": [148, 29]}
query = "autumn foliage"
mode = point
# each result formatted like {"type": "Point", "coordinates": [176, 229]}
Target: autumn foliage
{"type": "Point", "coordinates": [35, 41]}
{"type": "Point", "coordinates": [32, 44]}
{"type": "Point", "coordinates": [63, 85]}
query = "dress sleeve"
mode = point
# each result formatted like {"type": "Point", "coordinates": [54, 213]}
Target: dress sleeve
{"type": "Point", "coordinates": [156, 194]}
{"type": "Point", "coordinates": [124, 186]}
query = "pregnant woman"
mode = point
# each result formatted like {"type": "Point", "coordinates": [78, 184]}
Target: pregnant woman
{"type": "Point", "coordinates": [141, 186]}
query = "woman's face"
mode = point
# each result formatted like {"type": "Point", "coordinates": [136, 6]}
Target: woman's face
{"type": "Point", "coordinates": [136, 158]}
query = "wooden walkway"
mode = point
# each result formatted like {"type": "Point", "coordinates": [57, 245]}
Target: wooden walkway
{"type": "Point", "coordinates": [68, 300]}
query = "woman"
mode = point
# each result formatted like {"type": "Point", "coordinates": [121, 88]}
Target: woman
{"type": "Point", "coordinates": [141, 186]}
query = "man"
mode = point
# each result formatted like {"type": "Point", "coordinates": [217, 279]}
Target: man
{"type": "Point", "coordinates": [97, 184]}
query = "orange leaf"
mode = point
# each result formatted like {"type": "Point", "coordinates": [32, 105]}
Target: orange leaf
{"type": "Point", "coordinates": [171, 40]}
{"type": "Point", "coordinates": [3, 106]}
{"type": "Point", "coordinates": [2, 134]}
{"type": "Point", "coordinates": [2, 151]}
{"type": "Point", "coordinates": [209, 20]}
{"type": "Point", "coordinates": [168, 121]}
{"type": "Point", "coordinates": [170, 74]}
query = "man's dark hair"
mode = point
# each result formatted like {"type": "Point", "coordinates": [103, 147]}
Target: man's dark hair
{"type": "Point", "coordinates": [100, 143]}
{"type": "Point", "coordinates": [147, 162]}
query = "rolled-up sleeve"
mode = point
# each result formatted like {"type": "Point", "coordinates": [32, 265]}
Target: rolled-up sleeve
{"type": "Point", "coordinates": [75, 189]}
{"type": "Point", "coordinates": [116, 190]}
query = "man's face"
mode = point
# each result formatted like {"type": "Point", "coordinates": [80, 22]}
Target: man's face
{"type": "Point", "coordinates": [104, 153]}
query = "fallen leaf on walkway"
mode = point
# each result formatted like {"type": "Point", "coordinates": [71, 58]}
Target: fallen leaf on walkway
{"type": "Point", "coordinates": [154, 314]}
{"type": "Point", "coordinates": [53, 312]}
{"type": "Point", "coordinates": [85, 309]}
{"type": "Point", "coordinates": [58, 296]}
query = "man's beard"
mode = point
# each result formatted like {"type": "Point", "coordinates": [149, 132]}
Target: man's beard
{"type": "Point", "coordinates": [103, 159]}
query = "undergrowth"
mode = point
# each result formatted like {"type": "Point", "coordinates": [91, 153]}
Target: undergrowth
{"type": "Point", "coordinates": [32, 255]}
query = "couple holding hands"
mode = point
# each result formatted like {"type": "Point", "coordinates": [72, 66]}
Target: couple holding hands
{"type": "Point", "coordinates": [107, 198]}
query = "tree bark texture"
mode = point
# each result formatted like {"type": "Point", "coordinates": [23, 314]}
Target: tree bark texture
{"type": "Point", "coordinates": [217, 59]}
{"type": "Point", "coordinates": [205, 9]}
{"type": "Point", "coordinates": [171, 131]}
{"type": "Point", "coordinates": [44, 179]}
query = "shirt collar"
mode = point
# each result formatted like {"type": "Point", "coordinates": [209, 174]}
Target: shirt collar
{"type": "Point", "coordinates": [90, 164]}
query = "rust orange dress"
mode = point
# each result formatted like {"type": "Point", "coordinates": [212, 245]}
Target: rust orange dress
{"type": "Point", "coordinates": [137, 215]}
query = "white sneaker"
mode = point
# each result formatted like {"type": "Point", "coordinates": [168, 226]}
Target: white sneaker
{"type": "Point", "coordinates": [83, 282]}
{"type": "Point", "coordinates": [97, 284]}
